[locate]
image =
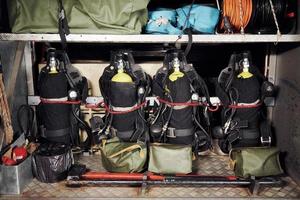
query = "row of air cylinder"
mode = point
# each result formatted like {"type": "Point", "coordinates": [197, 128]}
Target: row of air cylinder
{"type": "Point", "coordinates": [180, 115]}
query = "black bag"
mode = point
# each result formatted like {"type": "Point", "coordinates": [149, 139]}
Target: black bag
{"type": "Point", "coordinates": [52, 162]}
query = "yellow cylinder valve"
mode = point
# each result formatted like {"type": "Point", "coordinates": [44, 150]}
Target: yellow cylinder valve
{"type": "Point", "coordinates": [177, 73]}
{"type": "Point", "coordinates": [245, 73]}
{"type": "Point", "coordinates": [121, 77]}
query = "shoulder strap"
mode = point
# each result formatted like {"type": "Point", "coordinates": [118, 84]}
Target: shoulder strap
{"type": "Point", "coordinates": [266, 133]}
{"type": "Point", "coordinates": [73, 73]}
{"type": "Point", "coordinates": [159, 81]}
{"type": "Point", "coordinates": [63, 27]}
{"type": "Point", "coordinates": [196, 81]}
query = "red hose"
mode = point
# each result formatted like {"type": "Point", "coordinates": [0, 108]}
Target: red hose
{"type": "Point", "coordinates": [94, 105]}
{"type": "Point", "coordinates": [210, 108]}
{"type": "Point", "coordinates": [178, 103]}
{"type": "Point", "coordinates": [213, 108]}
{"type": "Point", "coordinates": [245, 106]}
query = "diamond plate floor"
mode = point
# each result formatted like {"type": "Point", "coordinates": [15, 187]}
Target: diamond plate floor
{"type": "Point", "coordinates": [208, 165]}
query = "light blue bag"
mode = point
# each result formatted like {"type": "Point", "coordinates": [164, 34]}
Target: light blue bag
{"type": "Point", "coordinates": [162, 21]}
{"type": "Point", "coordinates": [202, 19]}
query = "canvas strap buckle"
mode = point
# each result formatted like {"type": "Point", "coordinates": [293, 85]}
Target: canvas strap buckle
{"type": "Point", "coordinates": [266, 141]}
{"type": "Point", "coordinates": [171, 133]}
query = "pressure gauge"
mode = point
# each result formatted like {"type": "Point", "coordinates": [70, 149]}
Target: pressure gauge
{"type": "Point", "coordinates": [73, 95]}
{"type": "Point", "coordinates": [141, 90]}
{"type": "Point", "coordinates": [195, 97]}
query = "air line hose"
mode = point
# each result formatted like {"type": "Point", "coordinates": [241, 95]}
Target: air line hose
{"type": "Point", "coordinates": [256, 16]}
{"type": "Point", "coordinates": [238, 12]}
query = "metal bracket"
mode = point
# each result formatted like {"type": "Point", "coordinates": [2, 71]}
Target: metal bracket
{"type": "Point", "coordinates": [144, 186]}
{"type": "Point", "coordinates": [94, 100]}
{"type": "Point", "coordinates": [266, 141]}
{"type": "Point", "coordinates": [171, 132]}
{"type": "Point", "coordinates": [254, 186]}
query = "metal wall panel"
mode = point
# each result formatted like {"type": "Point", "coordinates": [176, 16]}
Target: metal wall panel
{"type": "Point", "coordinates": [7, 53]}
{"type": "Point", "coordinates": [286, 116]}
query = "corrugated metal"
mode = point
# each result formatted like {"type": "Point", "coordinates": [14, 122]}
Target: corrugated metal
{"type": "Point", "coordinates": [207, 165]}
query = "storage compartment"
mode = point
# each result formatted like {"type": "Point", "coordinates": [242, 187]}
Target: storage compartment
{"type": "Point", "coordinates": [276, 57]}
{"type": "Point", "coordinates": [269, 59]}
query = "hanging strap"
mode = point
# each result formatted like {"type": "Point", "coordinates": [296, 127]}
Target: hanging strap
{"type": "Point", "coordinates": [190, 42]}
{"type": "Point", "coordinates": [127, 149]}
{"type": "Point", "coordinates": [266, 133]}
{"type": "Point", "coordinates": [63, 28]}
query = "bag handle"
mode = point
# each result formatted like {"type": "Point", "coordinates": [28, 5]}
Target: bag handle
{"type": "Point", "coordinates": [63, 28]}
{"type": "Point", "coordinates": [232, 163]}
{"type": "Point", "coordinates": [128, 149]}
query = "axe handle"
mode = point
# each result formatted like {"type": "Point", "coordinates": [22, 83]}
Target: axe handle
{"type": "Point", "coordinates": [121, 176]}
{"type": "Point", "coordinates": [5, 113]}
{"type": "Point", "coordinates": [151, 177]}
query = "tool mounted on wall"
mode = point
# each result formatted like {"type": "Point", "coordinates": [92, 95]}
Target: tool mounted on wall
{"type": "Point", "coordinates": [6, 129]}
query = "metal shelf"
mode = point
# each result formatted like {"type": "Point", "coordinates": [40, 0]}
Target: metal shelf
{"type": "Point", "coordinates": [143, 38]}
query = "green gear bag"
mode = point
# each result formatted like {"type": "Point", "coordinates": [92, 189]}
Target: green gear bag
{"type": "Point", "coordinates": [120, 156]}
{"type": "Point", "coordinates": [170, 158]}
{"type": "Point", "coordinates": [84, 16]}
{"type": "Point", "coordinates": [255, 161]}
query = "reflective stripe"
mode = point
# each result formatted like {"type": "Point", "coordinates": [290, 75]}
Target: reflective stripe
{"type": "Point", "coordinates": [249, 104]}
{"type": "Point", "coordinates": [180, 107]}
{"type": "Point", "coordinates": [123, 109]}
{"type": "Point", "coordinates": [55, 99]}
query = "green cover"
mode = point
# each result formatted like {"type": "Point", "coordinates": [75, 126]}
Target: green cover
{"type": "Point", "coordinates": [170, 158]}
{"type": "Point", "coordinates": [84, 16]}
{"type": "Point", "coordinates": [255, 161]}
{"type": "Point", "coordinates": [120, 156]}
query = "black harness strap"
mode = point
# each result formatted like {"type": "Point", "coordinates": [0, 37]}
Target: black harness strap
{"type": "Point", "coordinates": [63, 27]}
{"type": "Point", "coordinates": [266, 133]}
{"type": "Point", "coordinates": [190, 42]}
{"type": "Point", "coordinates": [56, 133]}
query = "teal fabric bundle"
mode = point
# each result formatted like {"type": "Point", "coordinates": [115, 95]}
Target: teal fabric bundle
{"type": "Point", "coordinates": [199, 18]}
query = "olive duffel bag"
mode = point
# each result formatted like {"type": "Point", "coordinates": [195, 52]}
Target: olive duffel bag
{"type": "Point", "coordinates": [83, 16]}
{"type": "Point", "coordinates": [170, 158]}
{"type": "Point", "coordinates": [255, 161]}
